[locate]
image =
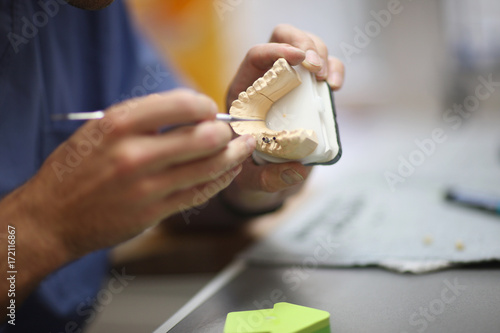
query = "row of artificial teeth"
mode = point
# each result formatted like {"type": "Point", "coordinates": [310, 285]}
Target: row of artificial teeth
{"type": "Point", "coordinates": [270, 137]}
{"type": "Point", "coordinates": [269, 77]}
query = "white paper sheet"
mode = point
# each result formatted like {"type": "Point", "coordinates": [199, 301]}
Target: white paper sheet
{"type": "Point", "coordinates": [355, 219]}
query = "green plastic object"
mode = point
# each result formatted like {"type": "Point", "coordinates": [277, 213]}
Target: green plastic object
{"type": "Point", "coordinates": [283, 318]}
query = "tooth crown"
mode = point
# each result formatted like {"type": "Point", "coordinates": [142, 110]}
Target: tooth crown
{"type": "Point", "coordinates": [256, 101]}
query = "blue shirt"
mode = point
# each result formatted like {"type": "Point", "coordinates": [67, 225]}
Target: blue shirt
{"type": "Point", "coordinates": [55, 58]}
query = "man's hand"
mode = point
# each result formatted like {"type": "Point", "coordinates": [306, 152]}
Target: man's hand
{"type": "Point", "coordinates": [262, 187]}
{"type": "Point", "coordinates": [116, 177]}
{"type": "Point", "coordinates": [135, 176]}
{"type": "Point", "coordinates": [297, 47]}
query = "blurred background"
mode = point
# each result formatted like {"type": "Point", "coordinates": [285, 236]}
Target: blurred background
{"type": "Point", "coordinates": [408, 57]}
{"type": "Point", "coordinates": [405, 57]}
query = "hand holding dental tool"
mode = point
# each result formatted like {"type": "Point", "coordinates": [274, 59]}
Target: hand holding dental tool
{"type": "Point", "coordinates": [227, 118]}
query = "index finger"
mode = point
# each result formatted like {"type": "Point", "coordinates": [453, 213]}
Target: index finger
{"type": "Point", "coordinates": [285, 33]}
{"type": "Point", "coordinates": [150, 113]}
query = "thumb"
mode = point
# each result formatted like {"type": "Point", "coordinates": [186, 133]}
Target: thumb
{"type": "Point", "coordinates": [272, 178]}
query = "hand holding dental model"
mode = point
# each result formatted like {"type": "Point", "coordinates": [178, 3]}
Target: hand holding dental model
{"type": "Point", "coordinates": [260, 187]}
{"type": "Point", "coordinates": [310, 105]}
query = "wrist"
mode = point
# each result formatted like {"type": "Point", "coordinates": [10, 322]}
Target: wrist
{"type": "Point", "coordinates": [250, 203]}
{"type": "Point", "coordinates": [38, 249]}
{"type": "Point", "coordinates": [246, 212]}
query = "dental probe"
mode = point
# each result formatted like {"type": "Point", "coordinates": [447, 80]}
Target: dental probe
{"type": "Point", "coordinates": [227, 118]}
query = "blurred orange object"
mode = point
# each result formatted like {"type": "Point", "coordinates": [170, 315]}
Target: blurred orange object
{"type": "Point", "coordinates": [188, 34]}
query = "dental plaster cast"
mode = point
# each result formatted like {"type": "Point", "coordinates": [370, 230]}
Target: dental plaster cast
{"type": "Point", "coordinates": [281, 131]}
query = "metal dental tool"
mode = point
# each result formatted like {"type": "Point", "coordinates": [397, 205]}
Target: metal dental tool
{"type": "Point", "coordinates": [227, 118]}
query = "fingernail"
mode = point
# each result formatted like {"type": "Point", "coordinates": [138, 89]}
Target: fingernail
{"type": "Point", "coordinates": [291, 177]}
{"type": "Point", "coordinates": [313, 58]}
{"type": "Point", "coordinates": [250, 141]}
{"type": "Point", "coordinates": [335, 80]}
{"type": "Point", "coordinates": [236, 170]}
{"type": "Point", "coordinates": [321, 75]}
{"type": "Point", "coordinates": [214, 108]}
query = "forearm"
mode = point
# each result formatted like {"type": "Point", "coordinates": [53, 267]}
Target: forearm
{"type": "Point", "coordinates": [29, 251]}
